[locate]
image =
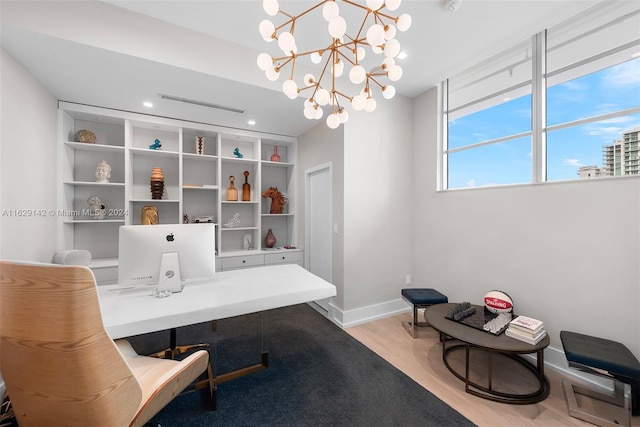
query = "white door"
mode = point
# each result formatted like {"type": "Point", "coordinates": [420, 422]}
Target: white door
{"type": "Point", "coordinates": [318, 220]}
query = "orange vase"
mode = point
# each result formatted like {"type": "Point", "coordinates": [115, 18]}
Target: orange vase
{"type": "Point", "coordinates": [246, 188]}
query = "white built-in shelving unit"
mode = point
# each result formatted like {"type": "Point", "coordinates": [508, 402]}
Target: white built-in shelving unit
{"type": "Point", "coordinates": [195, 184]}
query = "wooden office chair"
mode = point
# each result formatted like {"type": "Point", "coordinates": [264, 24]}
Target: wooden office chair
{"type": "Point", "coordinates": [60, 366]}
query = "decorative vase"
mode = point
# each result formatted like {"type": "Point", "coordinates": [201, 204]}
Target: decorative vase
{"type": "Point", "coordinates": [232, 193]}
{"type": "Point", "coordinates": [275, 157]}
{"type": "Point", "coordinates": [246, 188]}
{"type": "Point", "coordinates": [157, 183]}
{"type": "Point", "coordinates": [199, 144]}
{"type": "Point", "coordinates": [270, 240]}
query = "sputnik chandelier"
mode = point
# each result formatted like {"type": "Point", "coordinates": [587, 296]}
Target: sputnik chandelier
{"type": "Point", "coordinates": [341, 49]}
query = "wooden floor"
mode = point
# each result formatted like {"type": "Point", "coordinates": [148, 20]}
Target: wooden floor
{"type": "Point", "coordinates": [421, 359]}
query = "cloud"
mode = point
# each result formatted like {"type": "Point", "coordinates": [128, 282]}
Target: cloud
{"type": "Point", "coordinates": [625, 74]}
{"type": "Point", "coordinates": [572, 162]}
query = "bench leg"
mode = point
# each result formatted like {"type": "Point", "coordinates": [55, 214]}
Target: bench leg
{"type": "Point", "coordinates": [412, 327]}
{"type": "Point", "coordinates": [604, 409]}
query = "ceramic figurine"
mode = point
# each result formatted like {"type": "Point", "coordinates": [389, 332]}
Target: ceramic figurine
{"type": "Point", "coordinates": [233, 222]}
{"type": "Point", "coordinates": [96, 209]}
{"type": "Point", "coordinates": [278, 200]}
{"type": "Point", "coordinates": [237, 153]}
{"type": "Point", "coordinates": [103, 171]}
{"type": "Point", "coordinates": [149, 215]}
{"type": "Point", "coordinates": [156, 145]}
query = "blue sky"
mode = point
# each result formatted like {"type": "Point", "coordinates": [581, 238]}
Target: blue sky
{"type": "Point", "coordinates": [613, 89]}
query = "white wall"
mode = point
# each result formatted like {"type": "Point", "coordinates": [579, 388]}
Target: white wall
{"type": "Point", "coordinates": [568, 253]}
{"type": "Point", "coordinates": [318, 146]}
{"type": "Point", "coordinates": [28, 172]}
{"type": "Point", "coordinates": [378, 198]}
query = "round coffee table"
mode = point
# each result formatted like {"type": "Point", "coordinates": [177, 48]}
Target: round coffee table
{"type": "Point", "coordinates": [468, 337]}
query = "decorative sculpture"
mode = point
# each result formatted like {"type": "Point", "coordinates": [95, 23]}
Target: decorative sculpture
{"type": "Point", "coordinates": [157, 183]}
{"type": "Point", "coordinates": [278, 200]}
{"type": "Point", "coordinates": [96, 209]}
{"type": "Point", "coordinates": [237, 153]}
{"type": "Point", "coordinates": [156, 145]}
{"type": "Point", "coordinates": [103, 171]}
{"type": "Point", "coordinates": [149, 215]}
{"type": "Point", "coordinates": [233, 222]}
{"type": "Point", "coordinates": [86, 136]}
{"type": "Point", "coordinates": [199, 144]}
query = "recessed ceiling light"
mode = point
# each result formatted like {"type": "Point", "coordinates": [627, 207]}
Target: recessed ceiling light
{"type": "Point", "coordinates": [147, 104]}
{"type": "Point", "coordinates": [251, 122]}
{"type": "Point", "coordinates": [506, 98]}
{"type": "Point", "coordinates": [402, 55]}
{"type": "Point", "coordinates": [636, 55]}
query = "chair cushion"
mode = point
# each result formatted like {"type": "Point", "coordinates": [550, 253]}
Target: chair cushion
{"type": "Point", "coordinates": [600, 353]}
{"type": "Point", "coordinates": [423, 296]}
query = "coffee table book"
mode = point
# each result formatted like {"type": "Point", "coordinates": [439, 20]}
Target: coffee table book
{"type": "Point", "coordinates": [526, 337]}
{"type": "Point", "coordinates": [527, 324]}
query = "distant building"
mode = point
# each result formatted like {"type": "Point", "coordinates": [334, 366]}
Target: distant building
{"type": "Point", "coordinates": [586, 172]}
{"type": "Point", "coordinates": [622, 157]}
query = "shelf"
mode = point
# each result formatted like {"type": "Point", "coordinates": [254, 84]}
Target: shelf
{"type": "Point", "coordinates": [95, 184]}
{"type": "Point", "coordinates": [237, 228]}
{"type": "Point", "coordinates": [95, 147]}
{"type": "Point", "coordinates": [94, 221]}
{"type": "Point", "coordinates": [239, 202]}
{"type": "Point", "coordinates": [203, 157]}
{"type": "Point", "coordinates": [154, 201]}
{"type": "Point", "coordinates": [237, 160]}
{"type": "Point", "coordinates": [200, 187]}
{"type": "Point", "coordinates": [147, 152]}
{"type": "Point", "coordinates": [276, 164]}
{"type": "Point", "coordinates": [277, 215]}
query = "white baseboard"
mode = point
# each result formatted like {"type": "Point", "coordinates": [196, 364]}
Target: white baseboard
{"type": "Point", "coordinates": [344, 319]}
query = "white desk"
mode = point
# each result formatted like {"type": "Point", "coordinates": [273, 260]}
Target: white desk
{"type": "Point", "coordinates": [230, 293]}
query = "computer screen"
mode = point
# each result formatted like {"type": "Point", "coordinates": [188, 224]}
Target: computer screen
{"type": "Point", "coordinates": [159, 253]}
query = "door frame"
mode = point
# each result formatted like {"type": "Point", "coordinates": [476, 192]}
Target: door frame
{"type": "Point", "coordinates": [307, 224]}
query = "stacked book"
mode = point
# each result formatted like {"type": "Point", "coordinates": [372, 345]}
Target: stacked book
{"type": "Point", "coordinates": [526, 329]}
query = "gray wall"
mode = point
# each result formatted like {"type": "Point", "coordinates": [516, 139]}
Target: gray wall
{"type": "Point", "coordinates": [568, 253]}
{"type": "Point", "coordinates": [28, 159]}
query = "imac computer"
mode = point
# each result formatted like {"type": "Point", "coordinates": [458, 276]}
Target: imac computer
{"type": "Point", "coordinates": [165, 255]}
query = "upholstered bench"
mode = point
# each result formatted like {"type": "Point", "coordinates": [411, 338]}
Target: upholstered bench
{"type": "Point", "coordinates": [609, 359]}
{"type": "Point", "coordinates": [420, 298]}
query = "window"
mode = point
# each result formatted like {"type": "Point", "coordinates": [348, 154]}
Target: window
{"type": "Point", "coordinates": [563, 105]}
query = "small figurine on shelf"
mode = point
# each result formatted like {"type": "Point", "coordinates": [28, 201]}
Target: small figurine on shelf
{"type": "Point", "coordinates": [185, 219]}
{"type": "Point", "coordinates": [237, 153]}
{"type": "Point", "coordinates": [96, 209]}
{"type": "Point", "coordinates": [246, 242]}
{"type": "Point", "coordinates": [156, 145]}
{"type": "Point", "coordinates": [103, 171]}
{"type": "Point", "coordinates": [233, 222]}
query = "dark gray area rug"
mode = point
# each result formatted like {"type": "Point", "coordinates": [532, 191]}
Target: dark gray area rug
{"type": "Point", "coordinates": [318, 375]}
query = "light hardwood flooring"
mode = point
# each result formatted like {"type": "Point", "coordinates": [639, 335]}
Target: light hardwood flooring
{"type": "Point", "coordinates": [421, 359]}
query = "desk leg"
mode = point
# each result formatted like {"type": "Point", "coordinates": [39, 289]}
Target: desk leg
{"type": "Point", "coordinates": [264, 360]}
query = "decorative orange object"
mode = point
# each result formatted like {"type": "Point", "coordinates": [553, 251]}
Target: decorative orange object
{"type": "Point", "coordinates": [277, 200]}
{"type": "Point", "coordinates": [232, 193]}
{"type": "Point", "coordinates": [246, 188]}
{"type": "Point", "coordinates": [157, 183]}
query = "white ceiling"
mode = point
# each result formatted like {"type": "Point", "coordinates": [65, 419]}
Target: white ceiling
{"type": "Point", "coordinates": [119, 53]}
